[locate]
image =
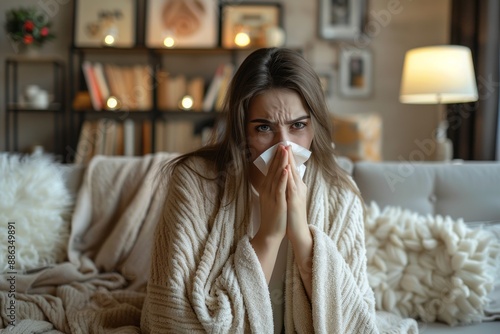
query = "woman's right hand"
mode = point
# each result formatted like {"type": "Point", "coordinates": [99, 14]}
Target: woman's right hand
{"type": "Point", "coordinates": [272, 195]}
{"type": "Point", "coordinates": [272, 230]}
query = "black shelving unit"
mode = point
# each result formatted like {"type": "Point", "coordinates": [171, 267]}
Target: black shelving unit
{"type": "Point", "coordinates": [14, 107]}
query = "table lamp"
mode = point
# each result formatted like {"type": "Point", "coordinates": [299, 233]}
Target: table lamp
{"type": "Point", "coordinates": [438, 75]}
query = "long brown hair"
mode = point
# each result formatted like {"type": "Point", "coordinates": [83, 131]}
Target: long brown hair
{"type": "Point", "coordinates": [262, 70]}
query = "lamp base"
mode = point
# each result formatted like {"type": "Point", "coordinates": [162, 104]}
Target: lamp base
{"type": "Point", "coordinates": [444, 150]}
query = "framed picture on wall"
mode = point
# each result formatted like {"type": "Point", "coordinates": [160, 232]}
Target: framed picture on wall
{"type": "Point", "coordinates": [355, 72]}
{"type": "Point", "coordinates": [182, 23]}
{"type": "Point", "coordinates": [100, 23]}
{"type": "Point", "coordinates": [341, 19]}
{"type": "Point", "coordinates": [247, 25]}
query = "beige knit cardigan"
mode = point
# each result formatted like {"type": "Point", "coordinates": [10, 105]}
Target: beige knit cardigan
{"type": "Point", "coordinates": [206, 277]}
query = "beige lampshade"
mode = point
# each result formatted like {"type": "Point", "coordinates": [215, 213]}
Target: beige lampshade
{"type": "Point", "coordinates": [438, 74]}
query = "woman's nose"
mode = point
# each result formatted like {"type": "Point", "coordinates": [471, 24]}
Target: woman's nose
{"type": "Point", "coordinates": [281, 136]}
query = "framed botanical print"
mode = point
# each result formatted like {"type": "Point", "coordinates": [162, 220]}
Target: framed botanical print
{"type": "Point", "coordinates": [182, 23]}
{"type": "Point", "coordinates": [341, 19]}
{"type": "Point", "coordinates": [105, 23]}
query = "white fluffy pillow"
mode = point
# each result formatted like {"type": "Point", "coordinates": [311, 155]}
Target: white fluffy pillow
{"type": "Point", "coordinates": [429, 268]}
{"type": "Point", "coordinates": [34, 196]}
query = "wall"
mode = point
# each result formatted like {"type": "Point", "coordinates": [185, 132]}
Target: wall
{"type": "Point", "coordinates": [411, 23]}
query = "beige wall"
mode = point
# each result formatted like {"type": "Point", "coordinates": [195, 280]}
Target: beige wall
{"type": "Point", "coordinates": [412, 23]}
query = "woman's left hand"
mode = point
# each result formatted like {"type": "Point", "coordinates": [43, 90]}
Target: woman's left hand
{"type": "Point", "coordinates": [297, 229]}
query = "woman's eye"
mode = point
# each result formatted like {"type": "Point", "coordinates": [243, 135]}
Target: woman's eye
{"type": "Point", "coordinates": [299, 125]}
{"type": "Point", "coordinates": [263, 128]}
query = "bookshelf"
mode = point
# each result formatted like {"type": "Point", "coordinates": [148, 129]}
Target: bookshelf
{"type": "Point", "coordinates": [161, 118]}
{"type": "Point", "coordinates": [198, 62]}
{"type": "Point", "coordinates": [14, 105]}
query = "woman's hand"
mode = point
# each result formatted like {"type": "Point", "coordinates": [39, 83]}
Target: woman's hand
{"type": "Point", "coordinates": [273, 211]}
{"type": "Point", "coordinates": [296, 197]}
{"type": "Point", "coordinates": [272, 195]}
{"type": "Point", "coordinates": [297, 230]}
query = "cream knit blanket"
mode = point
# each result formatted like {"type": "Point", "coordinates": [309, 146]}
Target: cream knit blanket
{"type": "Point", "coordinates": [100, 288]}
{"type": "Point", "coordinates": [214, 279]}
{"type": "Point", "coordinates": [206, 277]}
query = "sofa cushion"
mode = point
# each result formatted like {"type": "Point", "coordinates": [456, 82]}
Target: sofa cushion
{"type": "Point", "coordinates": [467, 190]}
{"type": "Point", "coordinates": [429, 267]}
{"type": "Point", "coordinates": [35, 208]}
{"type": "Point", "coordinates": [492, 310]}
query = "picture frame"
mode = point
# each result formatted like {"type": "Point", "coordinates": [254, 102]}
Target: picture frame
{"type": "Point", "coordinates": [96, 19]}
{"type": "Point", "coordinates": [355, 73]}
{"type": "Point", "coordinates": [261, 22]}
{"type": "Point", "coordinates": [187, 23]}
{"type": "Point", "coordinates": [341, 19]}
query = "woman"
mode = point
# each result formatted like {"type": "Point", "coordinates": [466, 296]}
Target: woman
{"type": "Point", "coordinates": [243, 251]}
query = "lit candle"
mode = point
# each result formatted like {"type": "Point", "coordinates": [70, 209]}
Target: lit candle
{"type": "Point", "coordinates": [112, 103]}
{"type": "Point", "coordinates": [109, 40]}
{"type": "Point", "coordinates": [242, 39]}
{"type": "Point", "coordinates": [187, 102]}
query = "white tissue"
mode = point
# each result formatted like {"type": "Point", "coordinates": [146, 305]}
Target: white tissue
{"type": "Point", "coordinates": [300, 154]}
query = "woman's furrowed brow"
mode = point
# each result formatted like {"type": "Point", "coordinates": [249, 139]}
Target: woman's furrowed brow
{"type": "Point", "coordinates": [266, 121]}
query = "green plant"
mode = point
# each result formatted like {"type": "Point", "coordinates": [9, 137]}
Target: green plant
{"type": "Point", "coordinates": [27, 26]}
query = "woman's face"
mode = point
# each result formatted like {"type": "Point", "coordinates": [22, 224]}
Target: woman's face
{"type": "Point", "coordinates": [274, 116]}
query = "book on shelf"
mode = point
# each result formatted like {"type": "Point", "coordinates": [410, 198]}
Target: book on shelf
{"type": "Point", "coordinates": [110, 140]}
{"type": "Point", "coordinates": [119, 146]}
{"type": "Point", "coordinates": [143, 88]}
{"type": "Point", "coordinates": [179, 137]}
{"type": "Point", "coordinates": [100, 136]}
{"type": "Point", "coordinates": [146, 137]}
{"type": "Point", "coordinates": [160, 136]}
{"type": "Point", "coordinates": [115, 81]}
{"type": "Point", "coordinates": [170, 136]}
{"type": "Point", "coordinates": [138, 143]}
{"type": "Point", "coordinates": [129, 138]}
{"type": "Point", "coordinates": [195, 89]}
{"type": "Point", "coordinates": [176, 90]}
{"type": "Point", "coordinates": [213, 89]}
{"type": "Point", "coordinates": [128, 83]}
{"type": "Point", "coordinates": [101, 81]}
{"type": "Point", "coordinates": [91, 81]}
{"type": "Point", "coordinates": [85, 145]}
